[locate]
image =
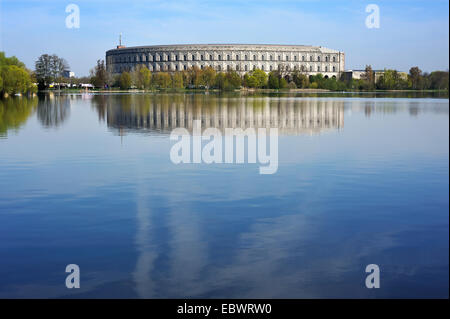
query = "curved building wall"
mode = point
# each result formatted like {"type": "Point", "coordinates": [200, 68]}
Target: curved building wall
{"type": "Point", "coordinates": [225, 57]}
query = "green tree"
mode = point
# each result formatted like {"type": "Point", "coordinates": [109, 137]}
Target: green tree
{"type": "Point", "coordinates": [177, 80]}
{"type": "Point", "coordinates": [163, 80]}
{"type": "Point", "coordinates": [233, 80]}
{"type": "Point", "coordinates": [300, 79]}
{"type": "Point", "coordinates": [14, 77]}
{"type": "Point", "coordinates": [220, 81]}
{"type": "Point", "coordinates": [49, 68]}
{"type": "Point", "coordinates": [143, 77]}
{"type": "Point", "coordinates": [439, 80]}
{"type": "Point", "coordinates": [99, 75]}
{"type": "Point", "coordinates": [250, 81]}
{"type": "Point", "coordinates": [415, 76]}
{"type": "Point", "coordinates": [283, 83]}
{"type": "Point", "coordinates": [260, 77]}
{"type": "Point", "coordinates": [274, 81]}
{"type": "Point", "coordinates": [369, 78]}
{"type": "Point", "coordinates": [16, 80]}
{"type": "Point", "coordinates": [208, 75]}
{"type": "Point", "coordinates": [125, 81]}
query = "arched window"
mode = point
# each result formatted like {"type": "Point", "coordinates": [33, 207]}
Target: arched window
{"type": "Point", "coordinates": [228, 57]}
{"type": "Point", "coordinates": [185, 67]}
{"type": "Point", "coordinates": [318, 58]}
{"type": "Point", "coordinates": [201, 57]}
{"type": "Point", "coordinates": [254, 57]}
{"type": "Point", "coordinates": [334, 59]}
{"type": "Point", "coordinates": [310, 58]}
{"type": "Point", "coordinates": [271, 58]}
{"type": "Point", "coordinates": [228, 68]}
{"type": "Point", "coordinates": [318, 68]}
{"type": "Point", "coordinates": [262, 67]}
{"type": "Point", "coordinates": [237, 67]}
{"type": "Point", "coordinates": [246, 68]}
{"type": "Point", "coordinates": [185, 58]}
{"type": "Point", "coordinates": [326, 69]}
{"type": "Point", "coordinates": [279, 58]}
{"type": "Point", "coordinates": [219, 68]}
{"type": "Point", "coordinates": [310, 68]}
{"type": "Point", "coordinates": [295, 58]}
{"type": "Point", "coordinates": [303, 58]}
{"type": "Point", "coordinates": [220, 57]}
{"type": "Point", "coordinates": [270, 68]}
{"type": "Point", "coordinates": [263, 57]}
{"type": "Point", "coordinates": [254, 67]}
{"type": "Point", "coordinates": [287, 58]}
{"type": "Point", "coordinates": [193, 57]}
{"type": "Point", "coordinates": [334, 69]}
{"type": "Point", "coordinates": [246, 58]}
{"type": "Point", "coordinates": [237, 57]}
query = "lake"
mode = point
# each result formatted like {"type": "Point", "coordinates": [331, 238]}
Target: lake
{"type": "Point", "coordinates": [87, 179]}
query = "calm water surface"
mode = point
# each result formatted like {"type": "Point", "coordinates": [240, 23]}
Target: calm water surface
{"type": "Point", "coordinates": [87, 180]}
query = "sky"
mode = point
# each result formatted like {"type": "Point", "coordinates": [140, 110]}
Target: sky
{"type": "Point", "coordinates": [410, 33]}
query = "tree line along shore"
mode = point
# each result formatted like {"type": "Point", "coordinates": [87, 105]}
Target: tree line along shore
{"type": "Point", "coordinates": [16, 79]}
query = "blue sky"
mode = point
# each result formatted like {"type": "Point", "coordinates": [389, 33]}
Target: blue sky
{"type": "Point", "coordinates": [411, 32]}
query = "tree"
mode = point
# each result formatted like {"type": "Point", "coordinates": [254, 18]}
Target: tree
{"type": "Point", "coordinates": [208, 76]}
{"type": "Point", "coordinates": [220, 81]}
{"type": "Point", "coordinates": [300, 79]}
{"type": "Point", "coordinates": [233, 80]}
{"type": "Point", "coordinates": [250, 81]}
{"type": "Point", "coordinates": [260, 78]}
{"type": "Point", "coordinates": [177, 80]}
{"type": "Point", "coordinates": [283, 83]}
{"type": "Point", "coordinates": [273, 82]}
{"type": "Point", "coordinates": [163, 80]}
{"type": "Point", "coordinates": [14, 77]}
{"type": "Point", "coordinates": [16, 80]}
{"type": "Point", "coordinates": [99, 76]}
{"type": "Point", "coordinates": [49, 68]}
{"type": "Point", "coordinates": [125, 81]}
{"type": "Point", "coordinates": [369, 78]}
{"type": "Point", "coordinates": [59, 65]}
{"type": "Point", "coordinates": [415, 76]}
{"type": "Point", "coordinates": [439, 80]}
{"type": "Point", "coordinates": [142, 77]}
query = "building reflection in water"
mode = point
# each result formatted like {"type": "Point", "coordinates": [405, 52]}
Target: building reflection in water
{"type": "Point", "coordinates": [163, 113]}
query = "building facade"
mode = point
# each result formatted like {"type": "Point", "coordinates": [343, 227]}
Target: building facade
{"type": "Point", "coordinates": [241, 58]}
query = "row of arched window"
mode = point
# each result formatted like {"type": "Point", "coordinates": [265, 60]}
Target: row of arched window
{"type": "Point", "coordinates": [238, 68]}
{"type": "Point", "coordinates": [220, 57]}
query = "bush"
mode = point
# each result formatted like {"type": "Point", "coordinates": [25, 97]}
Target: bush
{"type": "Point", "coordinates": [125, 81]}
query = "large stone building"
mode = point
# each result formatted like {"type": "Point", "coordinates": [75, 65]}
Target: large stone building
{"type": "Point", "coordinates": [224, 57]}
